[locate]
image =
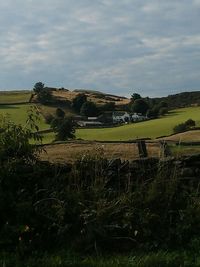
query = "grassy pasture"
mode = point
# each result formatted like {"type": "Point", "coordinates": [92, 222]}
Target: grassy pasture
{"type": "Point", "coordinates": [7, 97]}
{"type": "Point", "coordinates": [152, 128]}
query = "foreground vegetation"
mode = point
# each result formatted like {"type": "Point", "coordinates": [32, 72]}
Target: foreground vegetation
{"type": "Point", "coordinates": [90, 211]}
{"type": "Point", "coordinates": [67, 259]}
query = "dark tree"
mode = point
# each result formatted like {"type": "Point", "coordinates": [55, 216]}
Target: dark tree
{"type": "Point", "coordinates": [78, 101]}
{"type": "Point", "coordinates": [44, 95]}
{"type": "Point", "coordinates": [89, 109]}
{"type": "Point", "coordinates": [64, 128]}
{"type": "Point", "coordinates": [135, 96]}
{"type": "Point", "coordinates": [163, 111]}
{"type": "Point", "coordinates": [38, 87]}
{"type": "Point", "coordinates": [140, 106]}
{"type": "Point", "coordinates": [190, 123]}
{"type": "Point", "coordinates": [60, 113]}
{"type": "Point", "coordinates": [180, 128]}
{"type": "Point", "coordinates": [110, 106]}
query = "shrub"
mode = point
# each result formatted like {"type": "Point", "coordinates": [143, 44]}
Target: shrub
{"type": "Point", "coordinates": [190, 123]}
{"type": "Point", "coordinates": [184, 126]}
{"type": "Point", "coordinates": [180, 128]}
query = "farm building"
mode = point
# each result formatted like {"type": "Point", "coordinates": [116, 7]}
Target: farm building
{"type": "Point", "coordinates": [121, 116]}
{"type": "Point", "coordinates": [138, 117]}
{"type": "Point", "coordinates": [89, 123]}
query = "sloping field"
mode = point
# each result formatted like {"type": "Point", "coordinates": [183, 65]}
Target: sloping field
{"type": "Point", "coordinates": [152, 128]}
{"type": "Point", "coordinates": [18, 114]}
{"type": "Point", "coordinates": [14, 97]}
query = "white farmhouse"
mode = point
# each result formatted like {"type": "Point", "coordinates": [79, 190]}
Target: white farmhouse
{"type": "Point", "coordinates": [120, 116]}
{"type": "Point", "coordinates": [138, 117]}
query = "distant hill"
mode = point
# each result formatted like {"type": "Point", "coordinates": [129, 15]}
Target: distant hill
{"type": "Point", "coordinates": [184, 99]}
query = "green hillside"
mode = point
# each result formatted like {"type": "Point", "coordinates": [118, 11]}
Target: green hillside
{"type": "Point", "coordinates": [18, 114]}
{"type": "Point", "coordinates": [151, 128]}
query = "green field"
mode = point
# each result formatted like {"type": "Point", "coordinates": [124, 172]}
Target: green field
{"type": "Point", "coordinates": [14, 97]}
{"type": "Point", "coordinates": [18, 114]}
{"type": "Point", "coordinates": [152, 128]}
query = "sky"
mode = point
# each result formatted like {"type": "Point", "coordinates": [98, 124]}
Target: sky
{"type": "Point", "coordinates": [150, 47]}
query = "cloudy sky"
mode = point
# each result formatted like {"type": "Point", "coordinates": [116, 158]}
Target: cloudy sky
{"type": "Point", "coordinates": [118, 46]}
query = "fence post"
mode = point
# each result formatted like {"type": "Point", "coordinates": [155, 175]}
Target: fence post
{"type": "Point", "coordinates": [142, 149]}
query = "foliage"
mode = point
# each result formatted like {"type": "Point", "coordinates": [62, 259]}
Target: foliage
{"type": "Point", "coordinates": [163, 111]}
{"type": "Point", "coordinates": [184, 126]}
{"type": "Point", "coordinates": [89, 210]}
{"type": "Point", "coordinates": [89, 109]}
{"type": "Point", "coordinates": [190, 123]}
{"type": "Point", "coordinates": [110, 106]}
{"type": "Point", "coordinates": [140, 106]}
{"type": "Point", "coordinates": [60, 113]}
{"type": "Point", "coordinates": [15, 139]}
{"type": "Point", "coordinates": [135, 96]}
{"type": "Point", "coordinates": [69, 259]}
{"type": "Point", "coordinates": [38, 87]}
{"type": "Point", "coordinates": [78, 101]}
{"type": "Point", "coordinates": [63, 127]}
{"type": "Point", "coordinates": [44, 95]}
{"type": "Point", "coordinates": [185, 99]}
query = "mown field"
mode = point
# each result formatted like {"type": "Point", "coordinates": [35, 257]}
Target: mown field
{"type": "Point", "coordinates": [152, 128]}
{"type": "Point", "coordinates": [72, 151]}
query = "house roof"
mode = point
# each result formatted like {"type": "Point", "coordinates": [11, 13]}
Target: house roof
{"type": "Point", "coordinates": [119, 113]}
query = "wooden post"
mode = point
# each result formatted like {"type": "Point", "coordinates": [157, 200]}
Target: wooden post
{"type": "Point", "coordinates": [142, 149]}
{"type": "Point", "coordinates": [164, 149]}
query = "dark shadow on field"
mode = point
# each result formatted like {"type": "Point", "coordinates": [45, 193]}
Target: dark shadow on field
{"type": "Point", "coordinates": [8, 107]}
{"type": "Point", "coordinates": [173, 113]}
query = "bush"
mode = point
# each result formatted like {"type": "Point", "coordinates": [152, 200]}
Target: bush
{"type": "Point", "coordinates": [180, 128]}
{"type": "Point", "coordinates": [190, 123]}
{"type": "Point", "coordinates": [184, 126]}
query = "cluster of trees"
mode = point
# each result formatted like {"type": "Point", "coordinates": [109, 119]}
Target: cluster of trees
{"type": "Point", "coordinates": [147, 106]}
{"type": "Point", "coordinates": [184, 99]}
{"type": "Point", "coordinates": [88, 108]}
